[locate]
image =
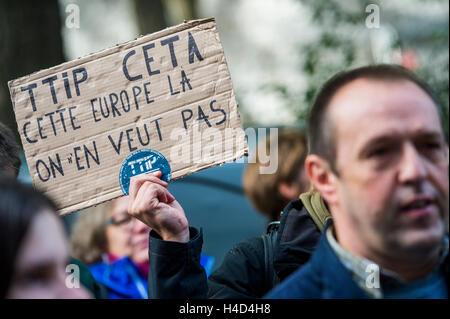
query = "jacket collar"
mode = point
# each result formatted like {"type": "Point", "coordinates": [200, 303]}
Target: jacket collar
{"type": "Point", "coordinates": [332, 274]}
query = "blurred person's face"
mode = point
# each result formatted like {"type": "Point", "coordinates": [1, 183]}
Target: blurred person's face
{"type": "Point", "coordinates": [391, 187]}
{"type": "Point", "coordinates": [118, 231]}
{"type": "Point", "coordinates": [139, 242]}
{"type": "Point", "coordinates": [292, 191]}
{"type": "Point", "coordinates": [41, 262]}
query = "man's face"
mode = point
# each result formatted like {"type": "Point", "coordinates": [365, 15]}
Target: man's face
{"type": "Point", "coordinates": [392, 166]}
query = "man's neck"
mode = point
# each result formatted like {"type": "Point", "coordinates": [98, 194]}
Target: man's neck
{"type": "Point", "coordinates": [405, 266]}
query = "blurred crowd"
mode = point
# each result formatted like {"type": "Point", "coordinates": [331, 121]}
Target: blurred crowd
{"type": "Point", "coordinates": [364, 192]}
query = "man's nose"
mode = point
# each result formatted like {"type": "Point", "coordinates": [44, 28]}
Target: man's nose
{"type": "Point", "coordinates": [412, 165]}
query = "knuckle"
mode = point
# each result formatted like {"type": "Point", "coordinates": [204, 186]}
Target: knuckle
{"type": "Point", "coordinates": [153, 188]}
{"type": "Point", "coordinates": [132, 210]}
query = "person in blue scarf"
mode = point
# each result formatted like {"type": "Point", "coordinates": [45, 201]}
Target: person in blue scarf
{"type": "Point", "coordinates": [125, 276]}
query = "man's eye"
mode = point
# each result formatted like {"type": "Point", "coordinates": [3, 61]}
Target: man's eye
{"type": "Point", "coordinates": [433, 146]}
{"type": "Point", "coordinates": [378, 152]}
{"type": "Point", "coordinates": [431, 150]}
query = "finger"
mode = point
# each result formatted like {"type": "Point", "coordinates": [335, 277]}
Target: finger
{"type": "Point", "coordinates": [170, 197]}
{"type": "Point", "coordinates": [154, 192]}
{"type": "Point", "coordinates": [151, 177]}
{"type": "Point", "coordinates": [145, 201]}
{"type": "Point", "coordinates": [150, 195]}
{"type": "Point", "coordinates": [161, 193]}
{"type": "Point", "coordinates": [137, 181]}
{"type": "Point", "coordinates": [135, 185]}
{"type": "Point", "coordinates": [157, 173]}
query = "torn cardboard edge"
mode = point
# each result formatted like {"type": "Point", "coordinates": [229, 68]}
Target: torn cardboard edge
{"type": "Point", "coordinates": [204, 26]}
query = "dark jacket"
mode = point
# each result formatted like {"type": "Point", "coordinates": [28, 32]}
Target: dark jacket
{"type": "Point", "coordinates": [175, 270]}
{"type": "Point", "coordinates": [325, 277]}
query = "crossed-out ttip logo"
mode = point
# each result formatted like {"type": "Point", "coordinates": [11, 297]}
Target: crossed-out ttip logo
{"type": "Point", "coordinates": [143, 162]}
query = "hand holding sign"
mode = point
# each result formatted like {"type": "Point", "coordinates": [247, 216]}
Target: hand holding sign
{"type": "Point", "coordinates": [151, 203]}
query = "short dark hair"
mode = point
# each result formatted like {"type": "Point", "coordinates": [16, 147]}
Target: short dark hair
{"type": "Point", "coordinates": [19, 204]}
{"type": "Point", "coordinates": [9, 151]}
{"type": "Point", "coordinates": [320, 137]}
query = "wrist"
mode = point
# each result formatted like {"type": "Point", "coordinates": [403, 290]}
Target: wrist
{"type": "Point", "coordinates": [181, 237]}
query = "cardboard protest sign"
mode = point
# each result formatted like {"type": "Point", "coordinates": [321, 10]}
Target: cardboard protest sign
{"type": "Point", "coordinates": [169, 92]}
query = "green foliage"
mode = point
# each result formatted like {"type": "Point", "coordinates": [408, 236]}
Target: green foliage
{"type": "Point", "coordinates": [338, 47]}
{"type": "Point", "coordinates": [438, 80]}
{"type": "Point", "coordinates": [334, 50]}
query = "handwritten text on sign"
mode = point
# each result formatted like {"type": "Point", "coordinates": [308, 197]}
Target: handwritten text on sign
{"type": "Point", "coordinates": [78, 121]}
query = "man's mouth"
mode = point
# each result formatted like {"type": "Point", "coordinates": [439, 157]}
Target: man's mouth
{"type": "Point", "coordinates": [419, 206]}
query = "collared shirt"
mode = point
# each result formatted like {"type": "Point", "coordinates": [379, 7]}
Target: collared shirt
{"type": "Point", "coordinates": [367, 275]}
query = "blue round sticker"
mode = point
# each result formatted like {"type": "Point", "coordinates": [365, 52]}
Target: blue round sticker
{"type": "Point", "coordinates": [143, 162]}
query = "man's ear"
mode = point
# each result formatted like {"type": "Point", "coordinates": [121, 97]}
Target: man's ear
{"type": "Point", "coordinates": [322, 178]}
